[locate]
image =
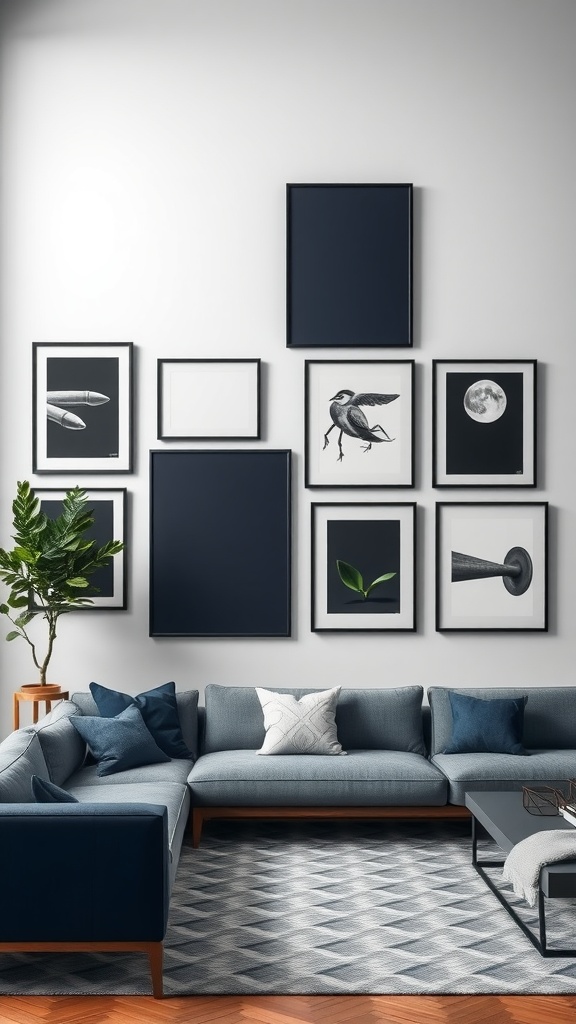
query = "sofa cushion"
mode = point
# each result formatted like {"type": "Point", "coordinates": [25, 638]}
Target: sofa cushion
{"type": "Point", "coordinates": [366, 719]}
{"type": "Point", "coordinates": [549, 715]}
{"type": "Point", "coordinates": [468, 772]}
{"type": "Point", "coordinates": [21, 757]}
{"type": "Point", "coordinates": [63, 747]}
{"type": "Point", "coordinates": [43, 792]}
{"type": "Point", "coordinates": [174, 796]}
{"type": "Point", "coordinates": [176, 771]}
{"type": "Point", "coordinates": [489, 726]}
{"type": "Point", "coordinates": [363, 778]}
{"type": "Point", "coordinates": [303, 726]}
{"type": "Point", "coordinates": [159, 711]}
{"type": "Point", "coordinates": [186, 702]}
{"type": "Point", "coordinates": [119, 743]}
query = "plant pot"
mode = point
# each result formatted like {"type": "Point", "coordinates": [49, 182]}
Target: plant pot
{"type": "Point", "coordinates": [49, 690]}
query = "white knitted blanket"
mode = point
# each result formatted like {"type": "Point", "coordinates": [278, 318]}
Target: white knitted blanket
{"type": "Point", "coordinates": [524, 862]}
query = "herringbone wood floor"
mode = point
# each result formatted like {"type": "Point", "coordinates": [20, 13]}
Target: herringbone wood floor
{"type": "Point", "coordinates": [291, 1010]}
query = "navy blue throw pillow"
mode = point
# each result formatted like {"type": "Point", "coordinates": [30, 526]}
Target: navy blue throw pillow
{"type": "Point", "coordinates": [44, 792]}
{"type": "Point", "coordinates": [492, 726]}
{"type": "Point", "coordinates": [159, 711]}
{"type": "Point", "coordinates": [119, 743]}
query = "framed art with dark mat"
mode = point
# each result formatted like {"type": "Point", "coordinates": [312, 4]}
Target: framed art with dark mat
{"type": "Point", "coordinates": [492, 566]}
{"type": "Point", "coordinates": [108, 508]}
{"type": "Point", "coordinates": [82, 407]}
{"type": "Point", "coordinates": [363, 567]}
{"type": "Point", "coordinates": [484, 423]}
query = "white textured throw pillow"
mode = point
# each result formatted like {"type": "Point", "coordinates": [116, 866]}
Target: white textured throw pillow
{"type": "Point", "coordinates": [305, 726]}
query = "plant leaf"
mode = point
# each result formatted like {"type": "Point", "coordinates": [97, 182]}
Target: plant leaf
{"type": "Point", "coordinates": [350, 576]}
{"type": "Point", "coordinates": [77, 581]}
{"type": "Point", "coordinates": [12, 635]}
{"type": "Point", "coordinates": [24, 619]}
{"type": "Point", "coordinates": [381, 579]}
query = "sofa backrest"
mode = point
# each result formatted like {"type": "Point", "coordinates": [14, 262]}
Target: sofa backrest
{"type": "Point", "coordinates": [21, 757]}
{"type": "Point", "coordinates": [549, 714]}
{"type": "Point", "coordinates": [186, 702]}
{"type": "Point", "coordinates": [375, 719]}
{"type": "Point", "coordinates": [63, 748]}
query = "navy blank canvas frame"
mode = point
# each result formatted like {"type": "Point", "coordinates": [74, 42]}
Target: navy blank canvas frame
{"type": "Point", "coordinates": [349, 265]}
{"type": "Point", "coordinates": [220, 543]}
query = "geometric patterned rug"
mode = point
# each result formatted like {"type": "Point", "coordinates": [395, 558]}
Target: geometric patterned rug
{"type": "Point", "coordinates": [325, 908]}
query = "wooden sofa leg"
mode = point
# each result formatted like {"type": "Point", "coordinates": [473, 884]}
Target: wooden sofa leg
{"type": "Point", "coordinates": [155, 959]}
{"type": "Point", "coordinates": [197, 821]}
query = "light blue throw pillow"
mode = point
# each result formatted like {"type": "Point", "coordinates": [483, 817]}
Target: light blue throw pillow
{"type": "Point", "coordinates": [119, 743]}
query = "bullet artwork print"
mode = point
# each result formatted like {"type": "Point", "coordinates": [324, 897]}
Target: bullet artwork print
{"type": "Point", "coordinates": [82, 407]}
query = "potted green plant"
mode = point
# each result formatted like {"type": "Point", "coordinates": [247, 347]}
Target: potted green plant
{"type": "Point", "coordinates": [48, 568]}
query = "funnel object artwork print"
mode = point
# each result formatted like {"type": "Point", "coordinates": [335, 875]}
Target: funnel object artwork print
{"type": "Point", "coordinates": [492, 566]}
{"type": "Point", "coordinates": [516, 572]}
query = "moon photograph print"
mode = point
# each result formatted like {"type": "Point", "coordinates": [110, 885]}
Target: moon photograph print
{"type": "Point", "coordinates": [359, 423]}
{"type": "Point", "coordinates": [484, 423]}
{"type": "Point", "coordinates": [485, 401]}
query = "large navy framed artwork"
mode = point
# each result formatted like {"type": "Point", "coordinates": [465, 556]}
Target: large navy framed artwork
{"type": "Point", "coordinates": [349, 265]}
{"type": "Point", "coordinates": [82, 407]}
{"type": "Point", "coordinates": [220, 543]}
{"type": "Point", "coordinates": [363, 567]}
{"type": "Point", "coordinates": [484, 423]}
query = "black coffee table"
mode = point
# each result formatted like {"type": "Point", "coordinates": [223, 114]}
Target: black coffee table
{"type": "Point", "coordinates": [502, 815]}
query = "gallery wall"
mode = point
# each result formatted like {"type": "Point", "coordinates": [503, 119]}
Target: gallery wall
{"type": "Point", "coordinates": [146, 147]}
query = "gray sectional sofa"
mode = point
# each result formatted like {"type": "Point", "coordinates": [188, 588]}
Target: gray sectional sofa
{"type": "Point", "coordinates": [118, 846]}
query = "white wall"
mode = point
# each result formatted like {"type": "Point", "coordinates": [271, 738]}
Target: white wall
{"type": "Point", "coordinates": [146, 145]}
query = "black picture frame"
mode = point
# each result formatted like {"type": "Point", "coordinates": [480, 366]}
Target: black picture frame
{"type": "Point", "coordinates": [82, 407]}
{"type": "Point", "coordinates": [109, 509]}
{"type": "Point", "coordinates": [220, 542]}
{"type": "Point", "coordinates": [349, 265]}
{"type": "Point", "coordinates": [484, 422]}
{"type": "Point", "coordinates": [209, 399]}
{"type": "Point", "coordinates": [492, 566]}
{"type": "Point", "coordinates": [359, 423]}
{"type": "Point", "coordinates": [357, 543]}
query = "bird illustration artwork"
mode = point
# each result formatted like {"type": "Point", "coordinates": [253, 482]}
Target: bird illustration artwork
{"type": "Point", "coordinates": [348, 417]}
